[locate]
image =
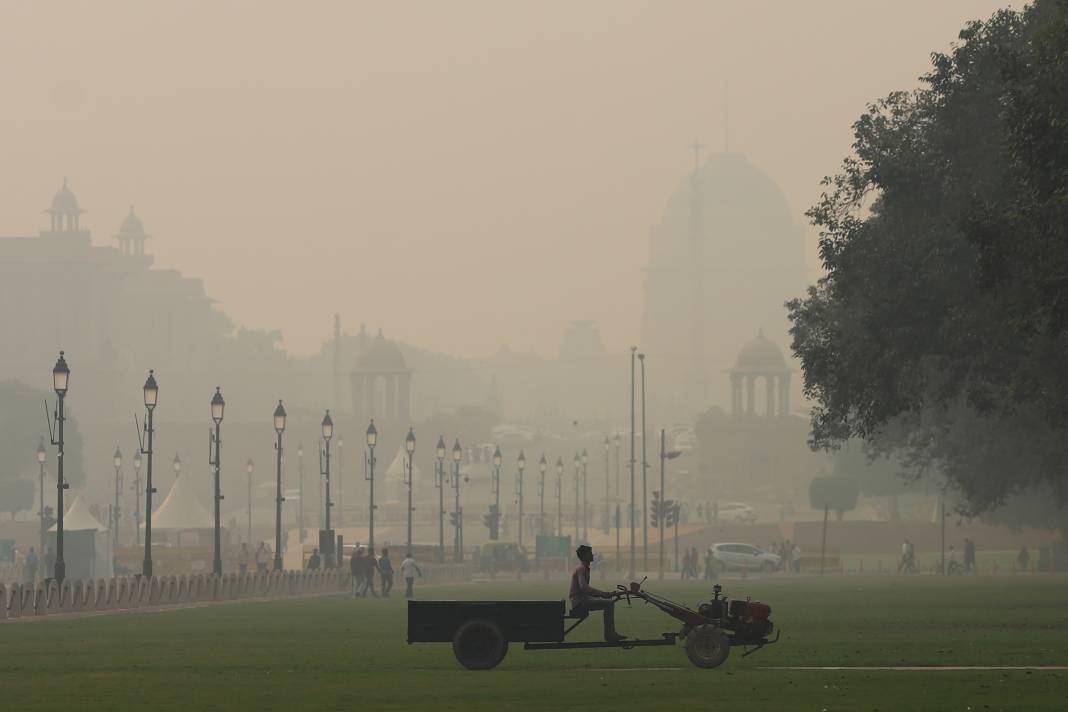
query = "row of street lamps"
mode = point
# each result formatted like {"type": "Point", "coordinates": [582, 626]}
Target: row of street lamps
{"type": "Point", "coordinates": [61, 378]}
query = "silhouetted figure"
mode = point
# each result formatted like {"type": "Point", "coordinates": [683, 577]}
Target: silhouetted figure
{"type": "Point", "coordinates": [1023, 559]}
{"type": "Point", "coordinates": [30, 566]}
{"type": "Point", "coordinates": [969, 557]}
{"type": "Point", "coordinates": [409, 569]}
{"type": "Point", "coordinates": [314, 561]}
{"type": "Point", "coordinates": [356, 569]}
{"type": "Point", "coordinates": [385, 571]}
{"type": "Point", "coordinates": [50, 562]}
{"type": "Point", "coordinates": [261, 558]}
{"type": "Point", "coordinates": [369, 567]}
{"type": "Point", "coordinates": [243, 557]}
{"type": "Point", "coordinates": [584, 598]}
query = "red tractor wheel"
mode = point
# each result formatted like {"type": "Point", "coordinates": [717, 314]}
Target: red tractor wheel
{"type": "Point", "coordinates": [707, 646]}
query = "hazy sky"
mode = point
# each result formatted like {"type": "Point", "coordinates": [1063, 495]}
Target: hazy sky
{"type": "Point", "coordinates": [463, 174]}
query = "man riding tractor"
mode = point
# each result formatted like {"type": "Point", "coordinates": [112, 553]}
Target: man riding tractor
{"type": "Point", "coordinates": [585, 598]}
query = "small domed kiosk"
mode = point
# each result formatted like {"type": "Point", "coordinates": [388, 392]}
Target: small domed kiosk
{"type": "Point", "coordinates": [760, 359]}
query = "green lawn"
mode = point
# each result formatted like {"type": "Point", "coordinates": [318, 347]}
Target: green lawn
{"type": "Point", "coordinates": [335, 653]}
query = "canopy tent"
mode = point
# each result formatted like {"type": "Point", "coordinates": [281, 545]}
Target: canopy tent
{"type": "Point", "coordinates": [396, 474]}
{"type": "Point", "coordinates": [86, 543]}
{"type": "Point", "coordinates": [181, 510]}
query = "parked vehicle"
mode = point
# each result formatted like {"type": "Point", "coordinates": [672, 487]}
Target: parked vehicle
{"type": "Point", "coordinates": [503, 556]}
{"type": "Point", "coordinates": [736, 512]}
{"type": "Point", "coordinates": [736, 557]}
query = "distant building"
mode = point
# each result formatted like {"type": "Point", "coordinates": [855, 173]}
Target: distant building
{"type": "Point", "coordinates": [113, 314]}
{"type": "Point", "coordinates": [725, 256]}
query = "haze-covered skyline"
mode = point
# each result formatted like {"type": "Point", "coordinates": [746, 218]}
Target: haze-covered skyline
{"type": "Point", "coordinates": [465, 175]}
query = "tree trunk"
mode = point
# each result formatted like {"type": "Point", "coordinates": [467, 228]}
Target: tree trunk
{"type": "Point", "coordinates": [823, 544]}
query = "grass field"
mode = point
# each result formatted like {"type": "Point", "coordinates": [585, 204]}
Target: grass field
{"type": "Point", "coordinates": [335, 653]}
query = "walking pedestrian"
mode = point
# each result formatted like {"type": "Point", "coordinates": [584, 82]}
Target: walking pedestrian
{"type": "Point", "coordinates": [243, 558]}
{"type": "Point", "coordinates": [30, 566]}
{"type": "Point", "coordinates": [969, 557]}
{"type": "Point", "coordinates": [409, 569]}
{"type": "Point", "coordinates": [261, 559]}
{"type": "Point", "coordinates": [797, 558]}
{"type": "Point", "coordinates": [369, 567]}
{"type": "Point", "coordinates": [385, 571]}
{"type": "Point", "coordinates": [685, 564]}
{"type": "Point", "coordinates": [356, 570]}
{"type": "Point", "coordinates": [314, 561]}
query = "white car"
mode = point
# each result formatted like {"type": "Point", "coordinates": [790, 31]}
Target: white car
{"type": "Point", "coordinates": [736, 512]}
{"type": "Point", "coordinates": [738, 557]}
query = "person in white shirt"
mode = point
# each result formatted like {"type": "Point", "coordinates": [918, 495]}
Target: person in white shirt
{"type": "Point", "coordinates": [409, 569]}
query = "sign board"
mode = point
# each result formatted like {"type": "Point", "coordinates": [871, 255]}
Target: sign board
{"type": "Point", "coordinates": [7, 551]}
{"type": "Point", "coordinates": [549, 547]}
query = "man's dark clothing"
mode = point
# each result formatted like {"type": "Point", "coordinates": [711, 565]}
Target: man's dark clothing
{"type": "Point", "coordinates": [313, 562]}
{"type": "Point", "coordinates": [585, 598]}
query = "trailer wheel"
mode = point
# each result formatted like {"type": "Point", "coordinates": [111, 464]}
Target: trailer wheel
{"type": "Point", "coordinates": [707, 646]}
{"type": "Point", "coordinates": [479, 644]}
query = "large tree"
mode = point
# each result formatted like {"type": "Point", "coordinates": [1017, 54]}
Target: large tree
{"type": "Point", "coordinates": [940, 330]}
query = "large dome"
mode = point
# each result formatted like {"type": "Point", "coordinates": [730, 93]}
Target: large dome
{"type": "Point", "coordinates": [725, 256]}
{"type": "Point", "coordinates": [381, 355]}
{"type": "Point", "coordinates": [65, 201]}
{"type": "Point", "coordinates": [760, 356]}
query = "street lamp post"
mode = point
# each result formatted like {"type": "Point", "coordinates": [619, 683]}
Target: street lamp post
{"type": "Point", "coordinates": [41, 454]}
{"type": "Point", "coordinates": [559, 496]}
{"type": "Point", "coordinates": [218, 406]}
{"type": "Point", "coordinates": [578, 486]}
{"type": "Point", "coordinates": [521, 464]}
{"type": "Point", "coordinates": [458, 546]}
{"type": "Point", "coordinates": [617, 441]}
{"type": "Point", "coordinates": [116, 512]}
{"type": "Point", "coordinates": [496, 489]}
{"type": "Point", "coordinates": [60, 381]}
{"type": "Point", "coordinates": [137, 494]}
{"type": "Point", "coordinates": [633, 543]}
{"type": "Point", "coordinates": [645, 468]}
{"type": "Point", "coordinates": [585, 507]}
{"type": "Point", "coordinates": [248, 468]}
{"type": "Point", "coordinates": [340, 481]}
{"type": "Point", "coordinates": [607, 519]}
{"type": "Point", "coordinates": [542, 467]}
{"type": "Point", "coordinates": [439, 482]}
{"type": "Point", "coordinates": [409, 447]}
{"type": "Point", "coordinates": [324, 471]}
{"type": "Point", "coordinates": [300, 493]}
{"type": "Point", "coordinates": [279, 428]}
{"type": "Point", "coordinates": [372, 440]}
{"type": "Point", "coordinates": [151, 393]}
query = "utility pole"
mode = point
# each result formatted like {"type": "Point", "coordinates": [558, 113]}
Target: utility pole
{"type": "Point", "coordinates": [300, 493]}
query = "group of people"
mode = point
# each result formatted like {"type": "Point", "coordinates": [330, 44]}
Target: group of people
{"type": "Point", "coordinates": [789, 554]}
{"type": "Point", "coordinates": [262, 557]}
{"type": "Point", "coordinates": [363, 565]}
{"type": "Point", "coordinates": [689, 564]}
{"type": "Point", "coordinates": [31, 565]}
{"type": "Point", "coordinates": [955, 564]}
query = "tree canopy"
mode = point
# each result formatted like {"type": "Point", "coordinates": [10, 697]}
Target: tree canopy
{"type": "Point", "coordinates": [22, 425]}
{"type": "Point", "coordinates": [940, 330]}
{"type": "Point", "coordinates": [835, 493]}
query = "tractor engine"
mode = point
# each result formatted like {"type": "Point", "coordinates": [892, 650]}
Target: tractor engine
{"type": "Point", "coordinates": [750, 621]}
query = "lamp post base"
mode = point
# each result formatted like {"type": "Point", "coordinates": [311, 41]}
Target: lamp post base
{"type": "Point", "coordinates": [60, 571]}
{"type": "Point", "coordinates": [146, 568]}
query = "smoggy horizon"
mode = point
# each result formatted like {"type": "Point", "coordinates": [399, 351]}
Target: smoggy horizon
{"type": "Point", "coordinates": [464, 175]}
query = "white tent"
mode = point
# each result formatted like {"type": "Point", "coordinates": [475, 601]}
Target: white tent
{"type": "Point", "coordinates": [86, 543]}
{"type": "Point", "coordinates": [397, 468]}
{"type": "Point", "coordinates": [396, 474]}
{"type": "Point", "coordinates": [182, 510]}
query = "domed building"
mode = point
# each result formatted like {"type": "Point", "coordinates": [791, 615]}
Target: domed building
{"type": "Point", "coordinates": [65, 212]}
{"type": "Point", "coordinates": [381, 384]}
{"type": "Point", "coordinates": [760, 360]}
{"type": "Point", "coordinates": [725, 257]}
{"type": "Point", "coordinates": [132, 235]}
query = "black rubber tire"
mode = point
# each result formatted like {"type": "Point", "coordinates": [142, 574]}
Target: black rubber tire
{"type": "Point", "coordinates": [479, 644]}
{"type": "Point", "coordinates": [707, 646]}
